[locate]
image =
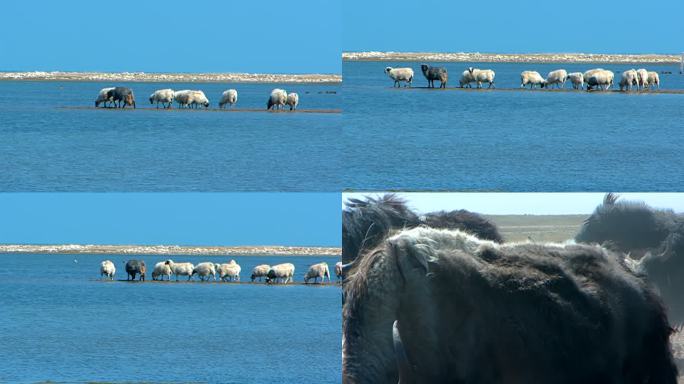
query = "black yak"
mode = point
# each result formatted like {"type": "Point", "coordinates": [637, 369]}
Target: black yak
{"type": "Point", "coordinates": [134, 267]}
{"type": "Point", "coordinates": [435, 73]}
{"type": "Point", "coordinates": [653, 239]}
{"type": "Point", "coordinates": [367, 222]}
{"type": "Point", "coordinates": [441, 306]}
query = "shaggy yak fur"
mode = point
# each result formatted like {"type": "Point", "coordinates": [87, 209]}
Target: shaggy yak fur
{"type": "Point", "coordinates": [441, 306]}
{"type": "Point", "coordinates": [653, 239]}
{"type": "Point", "coordinates": [365, 223]}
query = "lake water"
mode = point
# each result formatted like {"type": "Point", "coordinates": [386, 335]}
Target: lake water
{"type": "Point", "coordinates": [46, 147]}
{"type": "Point", "coordinates": [60, 323]}
{"type": "Point", "coordinates": [514, 141]}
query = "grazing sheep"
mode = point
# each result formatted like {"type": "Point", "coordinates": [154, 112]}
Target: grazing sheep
{"type": "Point", "coordinates": [577, 79]}
{"type": "Point", "coordinates": [629, 79]}
{"type": "Point", "coordinates": [532, 78]}
{"type": "Point", "coordinates": [482, 76]}
{"type": "Point", "coordinates": [292, 100]}
{"type": "Point", "coordinates": [160, 270]}
{"type": "Point", "coordinates": [642, 77]}
{"type": "Point", "coordinates": [652, 239]}
{"type": "Point", "coordinates": [260, 271]}
{"type": "Point", "coordinates": [229, 97]}
{"type": "Point", "coordinates": [400, 75]}
{"type": "Point", "coordinates": [134, 267]}
{"type": "Point", "coordinates": [442, 306]}
{"type": "Point", "coordinates": [280, 273]}
{"type": "Point", "coordinates": [466, 79]}
{"type": "Point", "coordinates": [164, 96]}
{"type": "Point", "coordinates": [435, 73]}
{"type": "Point", "coordinates": [107, 269]}
{"type": "Point", "coordinates": [205, 271]}
{"type": "Point", "coordinates": [181, 269]}
{"type": "Point", "coordinates": [653, 80]}
{"type": "Point", "coordinates": [338, 271]}
{"type": "Point", "coordinates": [317, 270]}
{"type": "Point", "coordinates": [197, 99]}
{"type": "Point", "coordinates": [277, 99]}
{"type": "Point", "coordinates": [602, 79]}
{"type": "Point", "coordinates": [123, 96]}
{"type": "Point", "coordinates": [104, 97]}
{"type": "Point", "coordinates": [557, 78]}
{"type": "Point", "coordinates": [182, 98]}
{"type": "Point", "coordinates": [229, 271]}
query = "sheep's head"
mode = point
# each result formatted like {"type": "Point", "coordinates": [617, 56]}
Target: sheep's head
{"type": "Point", "coordinates": [388, 70]}
{"type": "Point", "coordinates": [471, 69]}
{"type": "Point", "coordinates": [206, 104]}
{"type": "Point", "coordinates": [424, 67]}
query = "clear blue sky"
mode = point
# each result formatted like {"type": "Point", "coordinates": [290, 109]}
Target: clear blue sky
{"type": "Point", "coordinates": [273, 36]}
{"type": "Point", "coordinates": [172, 218]}
{"type": "Point", "coordinates": [527, 203]}
{"type": "Point", "coordinates": [501, 26]}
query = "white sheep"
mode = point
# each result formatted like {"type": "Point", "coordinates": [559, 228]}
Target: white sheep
{"type": "Point", "coordinates": [260, 271]}
{"type": "Point", "coordinates": [588, 74]}
{"type": "Point", "coordinates": [400, 75]}
{"type": "Point", "coordinates": [317, 270]}
{"type": "Point", "coordinates": [338, 270]}
{"type": "Point", "coordinates": [653, 79]}
{"type": "Point", "coordinates": [107, 269]}
{"type": "Point", "coordinates": [557, 78]}
{"type": "Point", "coordinates": [181, 269]}
{"type": "Point", "coordinates": [281, 273]}
{"type": "Point", "coordinates": [292, 100]}
{"type": "Point", "coordinates": [601, 79]}
{"type": "Point", "coordinates": [482, 76]}
{"type": "Point", "coordinates": [161, 269]}
{"type": "Point", "coordinates": [642, 78]}
{"type": "Point", "coordinates": [229, 97]}
{"type": "Point", "coordinates": [277, 99]}
{"type": "Point", "coordinates": [532, 78]}
{"type": "Point", "coordinates": [191, 98]}
{"type": "Point", "coordinates": [105, 96]}
{"type": "Point", "coordinates": [577, 79]}
{"type": "Point", "coordinates": [205, 271]}
{"type": "Point", "coordinates": [466, 79]}
{"type": "Point", "coordinates": [163, 96]}
{"type": "Point", "coordinates": [629, 79]}
{"type": "Point", "coordinates": [182, 98]}
{"type": "Point", "coordinates": [229, 271]}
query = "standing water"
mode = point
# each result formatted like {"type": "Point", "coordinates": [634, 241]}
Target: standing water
{"type": "Point", "coordinates": [61, 323]}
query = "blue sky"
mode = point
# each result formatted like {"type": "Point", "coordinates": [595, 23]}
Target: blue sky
{"type": "Point", "coordinates": [527, 203]}
{"type": "Point", "coordinates": [306, 219]}
{"type": "Point", "coordinates": [523, 26]}
{"type": "Point", "coordinates": [273, 36]}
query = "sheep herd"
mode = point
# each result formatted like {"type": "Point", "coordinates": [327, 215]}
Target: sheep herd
{"type": "Point", "coordinates": [598, 78]}
{"type": "Point", "coordinates": [121, 97]}
{"type": "Point", "coordinates": [208, 271]}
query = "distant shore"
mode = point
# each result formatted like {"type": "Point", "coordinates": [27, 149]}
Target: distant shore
{"type": "Point", "coordinates": [171, 77]}
{"type": "Point", "coordinates": [513, 57]}
{"type": "Point", "coordinates": [77, 249]}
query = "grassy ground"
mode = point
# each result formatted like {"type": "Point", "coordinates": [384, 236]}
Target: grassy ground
{"type": "Point", "coordinates": [540, 228]}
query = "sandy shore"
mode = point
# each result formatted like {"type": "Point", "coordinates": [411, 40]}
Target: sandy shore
{"type": "Point", "coordinates": [78, 249]}
{"type": "Point", "coordinates": [513, 57]}
{"type": "Point", "coordinates": [171, 77]}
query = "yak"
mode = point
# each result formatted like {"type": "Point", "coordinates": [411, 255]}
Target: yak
{"type": "Point", "coordinates": [652, 239]}
{"type": "Point", "coordinates": [442, 306]}
{"type": "Point", "coordinates": [366, 222]}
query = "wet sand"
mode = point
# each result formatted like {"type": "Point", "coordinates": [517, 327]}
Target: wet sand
{"type": "Point", "coordinates": [237, 110]}
{"type": "Point", "coordinates": [77, 249]}
{"type": "Point", "coordinates": [172, 77]}
{"type": "Point", "coordinates": [513, 57]}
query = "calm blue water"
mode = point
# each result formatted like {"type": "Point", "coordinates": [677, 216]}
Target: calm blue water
{"type": "Point", "coordinates": [59, 323]}
{"type": "Point", "coordinates": [45, 147]}
{"type": "Point", "coordinates": [513, 141]}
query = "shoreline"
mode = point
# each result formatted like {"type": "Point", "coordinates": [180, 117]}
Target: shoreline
{"type": "Point", "coordinates": [459, 57]}
{"type": "Point", "coordinates": [155, 250]}
{"type": "Point", "coordinates": [143, 77]}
